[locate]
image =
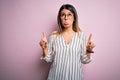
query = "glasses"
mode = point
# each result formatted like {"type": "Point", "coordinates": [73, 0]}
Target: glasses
{"type": "Point", "coordinates": [69, 15]}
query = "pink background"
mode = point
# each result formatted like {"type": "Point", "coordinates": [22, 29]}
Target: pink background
{"type": "Point", "coordinates": [23, 21]}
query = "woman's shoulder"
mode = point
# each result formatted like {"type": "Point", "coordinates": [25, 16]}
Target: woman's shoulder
{"type": "Point", "coordinates": [54, 34]}
{"type": "Point", "coordinates": [81, 34]}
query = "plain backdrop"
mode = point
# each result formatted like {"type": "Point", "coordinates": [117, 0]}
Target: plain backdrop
{"type": "Point", "coordinates": [23, 21]}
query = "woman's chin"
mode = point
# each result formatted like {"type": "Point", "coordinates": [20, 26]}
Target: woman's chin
{"type": "Point", "coordinates": [66, 26]}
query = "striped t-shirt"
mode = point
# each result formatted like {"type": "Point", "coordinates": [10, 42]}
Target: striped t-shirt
{"type": "Point", "coordinates": [66, 58]}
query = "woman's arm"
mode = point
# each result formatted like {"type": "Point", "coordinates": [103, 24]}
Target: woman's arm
{"type": "Point", "coordinates": [44, 45]}
{"type": "Point", "coordinates": [89, 47]}
{"type": "Point", "coordinates": [45, 51]}
{"type": "Point", "coordinates": [48, 52]}
{"type": "Point", "coordinates": [86, 50]}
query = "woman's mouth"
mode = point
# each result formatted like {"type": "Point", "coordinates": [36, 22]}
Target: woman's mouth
{"type": "Point", "coordinates": [66, 23]}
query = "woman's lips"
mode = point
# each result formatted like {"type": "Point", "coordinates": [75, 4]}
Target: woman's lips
{"type": "Point", "coordinates": [66, 23]}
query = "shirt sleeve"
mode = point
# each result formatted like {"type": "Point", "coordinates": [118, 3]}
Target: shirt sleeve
{"type": "Point", "coordinates": [84, 58]}
{"type": "Point", "coordinates": [50, 56]}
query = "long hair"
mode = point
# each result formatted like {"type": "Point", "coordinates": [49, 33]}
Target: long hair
{"type": "Point", "coordinates": [75, 23]}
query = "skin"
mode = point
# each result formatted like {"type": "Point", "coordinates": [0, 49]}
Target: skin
{"type": "Point", "coordinates": [67, 19]}
{"type": "Point", "coordinates": [67, 22]}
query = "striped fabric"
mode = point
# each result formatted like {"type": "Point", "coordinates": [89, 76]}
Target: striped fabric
{"type": "Point", "coordinates": [67, 59]}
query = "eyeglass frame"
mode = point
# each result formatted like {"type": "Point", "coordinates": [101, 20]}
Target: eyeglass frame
{"type": "Point", "coordinates": [69, 15]}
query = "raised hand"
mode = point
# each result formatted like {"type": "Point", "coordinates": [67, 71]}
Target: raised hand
{"type": "Point", "coordinates": [90, 44]}
{"type": "Point", "coordinates": [43, 43]}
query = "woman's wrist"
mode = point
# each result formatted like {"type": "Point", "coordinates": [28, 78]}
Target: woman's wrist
{"type": "Point", "coordinates": [89, 51]}
{"type": "Point", "coordinates": [45, 51]}
{"type": "Point", "coordinates": [45, 46]}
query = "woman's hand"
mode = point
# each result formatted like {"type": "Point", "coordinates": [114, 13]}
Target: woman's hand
{"type": "Point", "coordinates": [44, 43]}
{"type": "Point", "coordinates": [90, 45]}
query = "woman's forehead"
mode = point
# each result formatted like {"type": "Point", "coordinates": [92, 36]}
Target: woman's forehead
{"type": "Point", "coordinates": [66, 11]}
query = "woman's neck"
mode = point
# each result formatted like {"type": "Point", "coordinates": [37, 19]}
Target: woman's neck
{"type": "Point", "coordinates": [68, 30]}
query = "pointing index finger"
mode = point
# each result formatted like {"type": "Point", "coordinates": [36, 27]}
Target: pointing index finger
{"type": "Point", "coordinates": [43, 34]}
{"type": "Point", "coordinates": [90, 36]}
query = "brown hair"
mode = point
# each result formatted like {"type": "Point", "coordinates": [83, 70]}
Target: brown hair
{"type": "Point", "coordinates": [75, 23]}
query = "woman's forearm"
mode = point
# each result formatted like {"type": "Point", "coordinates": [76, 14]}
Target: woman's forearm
{"type": "Point", "coordinates": [45, 51]}
{"type": "Point", "coordinates": [88, 55]}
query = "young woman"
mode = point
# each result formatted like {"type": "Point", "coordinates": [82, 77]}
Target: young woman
{"type": "Point", "coordinates": [67, 48]}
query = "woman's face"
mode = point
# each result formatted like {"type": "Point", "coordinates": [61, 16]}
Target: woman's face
{"type": "Point", "coordinates": [67, 18]}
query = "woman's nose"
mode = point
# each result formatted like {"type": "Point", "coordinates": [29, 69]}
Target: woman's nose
{"type": "Point", "coordinates": [66, 17]}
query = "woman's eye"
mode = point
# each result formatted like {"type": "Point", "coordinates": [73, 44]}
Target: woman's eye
{"type": "Point", "coordinates": [69, 14]}
{"type": "Point", "coordinates": [62, 14]}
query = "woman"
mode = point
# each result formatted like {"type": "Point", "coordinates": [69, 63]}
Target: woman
{"type": "Point", "coordinates": [67, 48]}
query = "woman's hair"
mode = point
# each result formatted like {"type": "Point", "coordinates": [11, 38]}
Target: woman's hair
{"type": "Point", "coordinates": [75, 23]}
